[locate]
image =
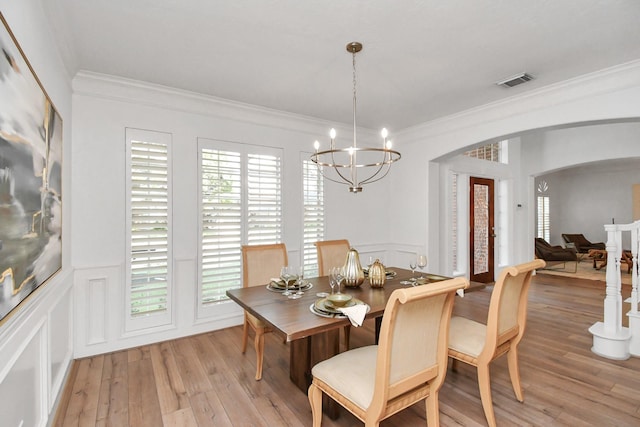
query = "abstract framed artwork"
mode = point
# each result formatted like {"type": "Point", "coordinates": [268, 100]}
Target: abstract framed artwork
{"type": "Point", "coordinates": [30, 178]}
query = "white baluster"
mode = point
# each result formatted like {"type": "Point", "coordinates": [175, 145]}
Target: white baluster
{"type": "Point", "coordinates": [634, 316]}
{"type": "Point", "coordinates": [613, 298]}
{"type": "Point", "coordinates": [610, 338]}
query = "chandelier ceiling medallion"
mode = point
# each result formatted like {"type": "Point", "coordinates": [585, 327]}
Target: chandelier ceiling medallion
{"type": "Point", "coordinates": [342, 165]}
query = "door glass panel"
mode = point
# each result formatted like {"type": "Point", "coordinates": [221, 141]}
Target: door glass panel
{"type": "Point", "coordinates": [481, 229]}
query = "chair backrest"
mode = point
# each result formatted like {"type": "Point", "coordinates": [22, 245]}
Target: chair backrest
{"type": "Point", "coordinates": [260, 263]}
{"type": "Point", "coordinates": [541, 246]}
{"type": "Point", "coordinates": [414, 339]}
{"type": "Point", "coordinates": [577, 239]}
{"type": "Point", "coordinates": [508, 306]}
{"type": "Point", "coordinates": [331, 253]}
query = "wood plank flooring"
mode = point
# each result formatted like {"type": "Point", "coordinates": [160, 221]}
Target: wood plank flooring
{"type": "Point", "coordinates": [204, 380]}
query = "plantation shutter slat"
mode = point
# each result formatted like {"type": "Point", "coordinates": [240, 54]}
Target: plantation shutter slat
{"type": "Point", "coordinates": [313, 215]}
{"type": "Point", "coordinates": [241, 202]}
{"type": "Point", "coordinates": [149, 233]}
{"type": "Point", "coordinates": [221, 189]}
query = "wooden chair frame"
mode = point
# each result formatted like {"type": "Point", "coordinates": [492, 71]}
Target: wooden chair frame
{"type": "Point", "coordinates": [273, 257]}
{"type": "Point", "coordinates": [504, 330]}
{"type": "Point", "coordinates": [425, 382]}
{"type": "Point", "coordinates": [327, 258]}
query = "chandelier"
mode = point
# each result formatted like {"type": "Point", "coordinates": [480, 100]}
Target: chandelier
{"type": "Point", "coordinates": [373, 163]}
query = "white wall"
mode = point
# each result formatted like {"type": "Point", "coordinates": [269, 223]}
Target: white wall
{"type": "Point", "coordinates": [103, 107]}
{"type": "Point", "coordinates": [36, 338]}
{"type": "Point", "coordinates": [610, 95]}
{"type": "Point", "coordinates": [582, 200]}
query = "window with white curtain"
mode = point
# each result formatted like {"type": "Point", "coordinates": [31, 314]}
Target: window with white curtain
{"type": "Point", "coordinates": [313, 215]}
{"type": "Point", "coordinates": [240, 203]}
{"type": "Point", "coordinates": [149, 263]}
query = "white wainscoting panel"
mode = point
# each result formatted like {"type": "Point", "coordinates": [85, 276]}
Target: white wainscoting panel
{"type": "Point", "coordinates": [96, 300]}
{"type": "Point", "coordinates": [99, 308]}
{"type": "Point", "coordinates": [28, 358]}
{"type": "Point", "coordinates": [60, 342]}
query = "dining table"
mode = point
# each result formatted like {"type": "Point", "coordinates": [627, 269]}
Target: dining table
{"type": "Point", "coordinates": [314, 337]}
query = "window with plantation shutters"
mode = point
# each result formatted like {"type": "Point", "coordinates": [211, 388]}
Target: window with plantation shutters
{"type": "Point", "coordinates": [313, 215]}
{"type": "Point", "coordinates": [454, 222]}
{"type": "Point", "coordinates": [264, 199]}
{"type": "Point", "coordinates": [240, 203]}
{"type": "Point", "coordinates": [149, 231]}
{"type": "Point", "coordinates": [543, 229]}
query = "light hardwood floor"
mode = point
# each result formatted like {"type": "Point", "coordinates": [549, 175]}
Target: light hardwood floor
{"type": "Point", "coordinates": [204, 380]}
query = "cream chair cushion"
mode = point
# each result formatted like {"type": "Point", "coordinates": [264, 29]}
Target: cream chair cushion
{"type": "Point", "coordinates": [467, 336]}
{"type": "Point", "coordinates": [352, 374]}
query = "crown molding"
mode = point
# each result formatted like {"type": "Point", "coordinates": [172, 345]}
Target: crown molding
{"type": "Point", "coordinates": [114, 88]}
{"type": "Point", "coordinates": [610, 80]}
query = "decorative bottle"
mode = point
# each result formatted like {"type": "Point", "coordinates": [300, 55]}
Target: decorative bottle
{"type": "Point", "coordinates": [353, 273]}
{"type": "Point", "coordinates": [377, 274]}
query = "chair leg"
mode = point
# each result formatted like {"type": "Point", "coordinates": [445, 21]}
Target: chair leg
{"type": "Point", "coordinates": [454, 364]}
{"type": "Point", "coordinates": [514, 373]}
{"type": "Point", "coordinates": [315, 399]}
{"type": "Point", "coordinates": [245, 335]}
{"type": "Point", "coordinates": [484, 383]}
{"type": "Point", "coordinates": [259, 343]}
{"type": "Point", "coordinates": [433, 410]}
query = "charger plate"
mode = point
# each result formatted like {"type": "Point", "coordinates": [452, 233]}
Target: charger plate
{"type": "Point", "coordinates": [389, 273]}
{"type": "Point", "coordinates": [275, 288]}
{"type": "Point", "coordinates": [321, 308]}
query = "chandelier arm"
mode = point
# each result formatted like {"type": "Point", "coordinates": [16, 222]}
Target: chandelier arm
{"type": "Point", "coordinates": [384, 162]}
{"type": "Point", "coordinates": [324, 175]}
{"type": "Point", "coordinates": [370, 179]}
{"type": "Point", "coordinates": [348, 181]}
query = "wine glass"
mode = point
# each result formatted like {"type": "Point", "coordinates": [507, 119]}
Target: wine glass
{"type": "Point", "coordinates": [339, 277]}
{"type": "Point", "coordinates": [413, 263]}
{"type": "Point", "coordinates": [333, 273]}
{"type": "Point", "coordinates": [299, 283]}
{"type": "Point", "coordinates": [422, 263]}
{"type": "Point", "coordinates": [286, 274]}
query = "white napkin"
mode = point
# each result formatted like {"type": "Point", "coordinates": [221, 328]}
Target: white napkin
{"type": "Point", "coordinates": [355, 313]}
{"type": "Point", "coordinates": [460, 292]}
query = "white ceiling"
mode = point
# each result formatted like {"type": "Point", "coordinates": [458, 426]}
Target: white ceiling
{"type": "Point", "coordinates": [421, 59]}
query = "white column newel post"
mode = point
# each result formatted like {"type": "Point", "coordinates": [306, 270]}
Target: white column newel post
{"type": "Point", "coordinates": [634, 316]}
{"type": "Point", "coordinates": [610, 338]}
{"type": "Point", "coordinates": [613, 298]}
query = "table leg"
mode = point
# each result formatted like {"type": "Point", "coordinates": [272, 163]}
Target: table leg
{"type": "Point", "coordinates": [306, 352]}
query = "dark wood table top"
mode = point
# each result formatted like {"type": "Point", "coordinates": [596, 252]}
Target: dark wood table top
{"type": "Point", "coordinates": [294, 319]}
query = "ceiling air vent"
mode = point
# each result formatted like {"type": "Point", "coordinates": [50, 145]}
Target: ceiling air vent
{"type": "Point", "coordinates": [515, 80]}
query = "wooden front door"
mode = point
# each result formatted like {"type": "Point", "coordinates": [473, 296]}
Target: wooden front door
{"type": "Point", "coordinates": [482, 230]}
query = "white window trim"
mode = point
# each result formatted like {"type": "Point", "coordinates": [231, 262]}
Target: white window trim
{"type": "Point", "coordinates": [167, 317]}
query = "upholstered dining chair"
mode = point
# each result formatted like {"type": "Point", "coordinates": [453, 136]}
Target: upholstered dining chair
{"type": "Point", "coordinates": [259, 264]}
{"type": "Point", "coordinates": [333, 253]}
{"type": "Point", "coordinates": [478, 344]}
{"type": "Point", "coordinates": [409, 363]}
